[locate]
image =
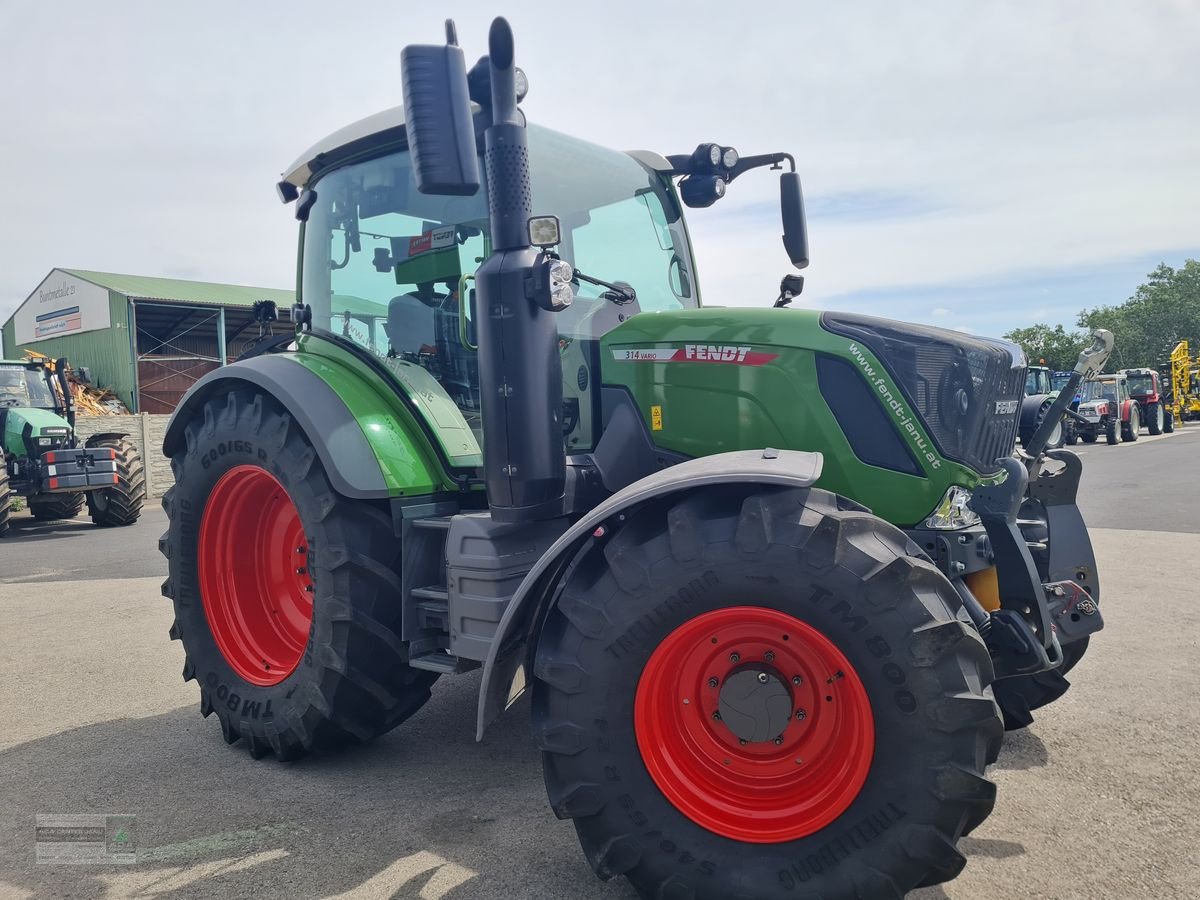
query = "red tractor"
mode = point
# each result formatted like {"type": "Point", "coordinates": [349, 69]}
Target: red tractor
{"type": "Point", "coordinates": [1145, 386]}
{"type": "Point", "coordinates": [1106, 408]}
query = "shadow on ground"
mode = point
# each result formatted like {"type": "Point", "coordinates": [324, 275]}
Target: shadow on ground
{"type": "Point", "coordinates": [340, 819]}
{"type": "Point", "coordinates": [324, 825]}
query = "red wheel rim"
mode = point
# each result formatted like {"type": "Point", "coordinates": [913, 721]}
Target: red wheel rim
{"type": "Point", "coordinates": [758, 791]}
{"type": "Point", "coordinates": [254, 579]}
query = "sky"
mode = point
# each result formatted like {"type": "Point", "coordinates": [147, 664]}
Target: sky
{"type": "Point", "coordinates": [976, 165]}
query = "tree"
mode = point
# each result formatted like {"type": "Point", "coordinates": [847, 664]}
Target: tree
{"type": "Point", "coordinates": [1162, 311]}
{"type": "Point", "coordinates": [1050, 346]}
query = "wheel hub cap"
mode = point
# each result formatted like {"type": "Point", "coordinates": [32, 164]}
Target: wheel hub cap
{"type": "Point", "coordinates": [755, 704]}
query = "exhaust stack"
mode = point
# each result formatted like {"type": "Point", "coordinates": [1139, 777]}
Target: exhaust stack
{"type": "Point", "coordinates": [520, 372]}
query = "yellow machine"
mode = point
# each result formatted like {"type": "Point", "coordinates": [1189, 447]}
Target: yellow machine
{"type": "Point", "coordinates": [1183, 388]}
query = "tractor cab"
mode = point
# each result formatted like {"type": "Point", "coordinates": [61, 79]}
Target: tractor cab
{"type": "Point", "coordinates": [1037, 381]}
{"type": "Point", "coordinates": [393, 269]}
{"type": "Point", "coordinates": [25, 385]}
{"type": "Point", "coordinates": [34, 416]}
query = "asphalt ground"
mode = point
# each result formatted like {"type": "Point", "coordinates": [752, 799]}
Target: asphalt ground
{"type": "Point", "coordinates": [1097, 799]}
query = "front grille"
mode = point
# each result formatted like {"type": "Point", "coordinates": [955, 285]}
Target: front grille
{"type": "Point", "coordinates": [954, 382]}
{"type": "Point", "coordinates": [998, 436]}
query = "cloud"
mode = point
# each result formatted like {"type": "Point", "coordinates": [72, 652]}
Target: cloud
{"type": "Point", "coordinates": [939, 311]}
{"type": "Point", "coordinates": [957, 153]}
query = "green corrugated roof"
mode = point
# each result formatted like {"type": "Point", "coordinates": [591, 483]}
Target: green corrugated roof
{"type": "Point", "coordinates": [180, 291]}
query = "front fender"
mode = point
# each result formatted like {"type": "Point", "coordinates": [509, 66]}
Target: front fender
{"type": "Point", "coordinates": [1031, 408]}
{"type": "Point", "coordinates": [504, 669]}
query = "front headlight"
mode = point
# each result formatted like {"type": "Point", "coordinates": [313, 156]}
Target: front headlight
{"type": "Point", "coordinates": [952, 511]}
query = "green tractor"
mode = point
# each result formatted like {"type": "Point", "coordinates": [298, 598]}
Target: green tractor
{"type": "Point", "coordinates": [759, 568]}
{"type": "Point", "coordinates": [43, 460]}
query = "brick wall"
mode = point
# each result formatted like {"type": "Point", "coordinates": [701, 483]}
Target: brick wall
{"type": "Point", "coordinates": [146, 431]}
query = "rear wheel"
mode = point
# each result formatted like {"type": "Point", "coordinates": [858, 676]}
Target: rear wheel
{"type": "Point", "coordinates": [286, 595]}
{"type": "Point", "coordinates": [55, 506]}
{"type": "Point", "coordinates": [122, 503]}
{"type": "Point", "coordinates": [6, 496]}
{"type": "Point", "coordinates": [1154, 418]}
{"type": "Point", "coordinates": [757, 693]}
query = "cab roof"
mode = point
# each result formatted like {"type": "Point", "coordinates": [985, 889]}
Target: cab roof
{"type": "Point", "coordinates": [384, 130]}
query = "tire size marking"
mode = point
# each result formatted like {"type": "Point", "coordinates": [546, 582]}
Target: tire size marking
{"type": "Point", "coordinates": [893, 674]}
{"type": "Point", "coordinates": [232, 701]}
{"type": "Point", "coordinates": [685, 597]}
{"type": "Point", "coordinates": [834, 851]}
{"type": "Point", "coordinates": [235, 446]}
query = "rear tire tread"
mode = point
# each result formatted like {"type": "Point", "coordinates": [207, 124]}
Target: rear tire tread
{"type": "Point", "coordinates": [362, 685]}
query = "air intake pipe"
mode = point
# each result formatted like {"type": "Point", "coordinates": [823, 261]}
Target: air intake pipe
{"type": "Point", "coordinates": [520, 372]}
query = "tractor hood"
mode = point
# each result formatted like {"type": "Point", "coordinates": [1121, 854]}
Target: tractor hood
{"type": "Point", "coordinates": [31, 432]}
{"type": "Point", "coordinates": [901, 413]}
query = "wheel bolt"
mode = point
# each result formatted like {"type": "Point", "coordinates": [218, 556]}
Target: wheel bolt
{"type": "Point", "coordinates": [801, 715]}
{"type": "Point", "coordinates": [779, 740]}
{"type": "Point", "coordinates": [796, 679]}
{"type": "Point", "coordinates": [713, 682]}
{"type": "Point", "coordinates": [769, 656]}
{"type": "Point", "coordinates": [762, 677]}
{"type": "Point", "coordinates": [735, 657]}
{"type": "Point", "coordinates": [300, 571]}
{"type": "Point", "coordinates": [717, 716]}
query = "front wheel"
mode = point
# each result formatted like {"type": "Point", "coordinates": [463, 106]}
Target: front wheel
{"type": "Point", "coordinates": [120, 504]}
{"type": "Point", "coordinates": [737, 684]}
{"type": "Point", "coordinates": [1110, 432]}
{"type": "Point", "coordinates": [1168, 421]}
{"type": "Point", "coordinates": [55, 506]}
{"type": "Point", "coordinates": [1130, 429]}
{"type": "Point", "coordinates": [287, 596]}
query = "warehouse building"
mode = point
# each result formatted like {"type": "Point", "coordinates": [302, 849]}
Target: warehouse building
{"type": "Point", "coordinates": [145, 339]}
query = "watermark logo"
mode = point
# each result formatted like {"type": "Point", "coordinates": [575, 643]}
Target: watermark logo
{"type": "Point", "coordinates": [892, 402]}
{"type": "Point", "coordinates": [85, 839]}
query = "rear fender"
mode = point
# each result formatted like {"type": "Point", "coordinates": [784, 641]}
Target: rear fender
{"type": "Point", "coordinates": [504, 671]}
{"type": "Point", "coordinates": [354, 466]}
{"type": "Point", "coordinates": [101, 436]}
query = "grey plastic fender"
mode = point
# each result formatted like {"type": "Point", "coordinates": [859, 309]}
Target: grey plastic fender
{"type": "Point", "coordinates": [348, 459]}
{"type": "Point", "coordinates": [504, 670]}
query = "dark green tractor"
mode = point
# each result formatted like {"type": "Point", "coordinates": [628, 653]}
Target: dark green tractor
{"type": "Point", "coordinates": [759, 568]}
{"type": "Point", "coordinates": [43, 460]}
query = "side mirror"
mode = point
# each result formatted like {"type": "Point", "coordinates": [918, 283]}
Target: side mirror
{"type": "Point", "coordinates": [437, 107]}
{"type": "Point", "coordinates": [795, 231]}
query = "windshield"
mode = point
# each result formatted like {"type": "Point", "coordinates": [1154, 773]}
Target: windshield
{"type": "Point", "coordinates": [1037, 381]}
{"type": "Point", "coordinates": [1141, 385]}
{"type": "Point", "coordinates": [22, 386]}
{"type": "Point", "coordinates": [1100, 390]}
{"type": "Point", "coordinates": [1059, 380]}
{"type": "Point", "coordinates": [387, 266]}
